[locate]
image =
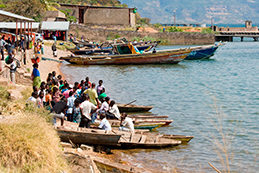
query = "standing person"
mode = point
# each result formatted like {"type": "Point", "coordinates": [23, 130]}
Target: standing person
{"type": "Point", "coordinates": [102, 95]}
{"type": "Point", "coordinates": [100, 87]}
{"type": "Point", "coordinates": [92, 95]}
{"type": "Point", "coordinates": [2, 46]}
{"type": "Point", "coordinates": [86, 108]}
{"type": "Point", "coordinates": [48, 99]}
{"type": "Point", "coordinates": [59, 110]}
{"type": "Point", "coordinates": [76, 111]}
{"type": "Point", "coordinates": [13, 68]}
{"type": "Point", "coordinates": [9, 45]}
{"type": "Point", "coordinates": [70, 104]}
{"type": "Point", "coordinates": [54, 75]}
{"type": "Point", "coordinates": [54, 49]}
{"type": "Point", "coordinates": [87, 82]}
{"type": "Point", "coordinates": [42, 48]}
{"type": "Point", "coordinates": [126, 123]}
{"type": "Point", "coordinates": [43, 90]}
{"type": "Point", "coordinates": [55, 96]}
{"type": "Point", "coordinates": [36, 76]}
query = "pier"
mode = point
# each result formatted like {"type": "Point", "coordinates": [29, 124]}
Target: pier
{"type": "Point", "coordinates": [228, 33]}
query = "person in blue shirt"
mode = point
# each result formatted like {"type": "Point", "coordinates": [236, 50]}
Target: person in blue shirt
{"type": "Point", "coordinates": [36, 76]}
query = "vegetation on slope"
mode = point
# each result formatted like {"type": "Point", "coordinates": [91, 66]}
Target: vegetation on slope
{"type": "Point", "coordinates": [35, 8]}
{"type": "Point", "coordinates": [28, 143]}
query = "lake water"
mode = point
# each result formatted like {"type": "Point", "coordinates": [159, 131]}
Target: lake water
{"type": "Point", "coordinates": [216, 100]}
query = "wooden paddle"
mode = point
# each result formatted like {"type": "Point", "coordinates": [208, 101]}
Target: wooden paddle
{"type": "Point", "coordinates": [130, 103]}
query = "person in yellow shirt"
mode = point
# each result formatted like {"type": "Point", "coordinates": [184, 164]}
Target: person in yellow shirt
{"type": "Point", "coordinates": [92, 93]}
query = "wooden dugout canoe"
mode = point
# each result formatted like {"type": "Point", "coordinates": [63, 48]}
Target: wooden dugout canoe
{"type": "Point", "coordinates": [149, 116]}
{"type": "Point", "coordinates": [133, 108]}
{"type": "Point", "coordinates": [87, 136]}
{"type": "Point", "coordinates": [137, 125]}
{"type": "Point", "coordinates": [202, 52]}
{"type": "Point", "coordinates": [160, 57]}
{"type": "Point", "coordinates": [182, 138]}
{"type": "Point", "coordinates": [128, 140]}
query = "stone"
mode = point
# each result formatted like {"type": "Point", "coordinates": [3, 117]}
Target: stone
{"type": "Point", "coordinates": [86, 147]}
{"type": "Point", "coordinates": [66, 145]}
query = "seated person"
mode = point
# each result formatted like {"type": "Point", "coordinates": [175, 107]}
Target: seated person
{"type": "Point", "coordinates": [104, 125]}
{"type": "Point", "coordinates": [113, 112]}
{"type": "Point", "coordinates": [33, 98]}
{"type": "Point", "coordinates": [105, 105]}
{"type": "Point", "coordinates": [126, 123]}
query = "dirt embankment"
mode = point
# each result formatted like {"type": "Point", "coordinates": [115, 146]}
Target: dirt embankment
{"type": "Point", "coordinates": [171, 38]}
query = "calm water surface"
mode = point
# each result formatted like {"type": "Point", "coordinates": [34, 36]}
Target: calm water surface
{"type": "Point", "coordinates": [212, 100]}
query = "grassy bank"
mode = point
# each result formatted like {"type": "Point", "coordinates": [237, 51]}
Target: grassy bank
{"type": "Point", "coordinates": [28, 142]}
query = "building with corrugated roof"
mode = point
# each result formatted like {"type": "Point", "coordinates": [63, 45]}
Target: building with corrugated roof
{"type": "Point", "coordinates": [101, 15]}
{"type": "Point", "coordinates": [56, 29]}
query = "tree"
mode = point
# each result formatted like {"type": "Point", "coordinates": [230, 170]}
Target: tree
{"type": "Point", "coordinates": [29, 8]}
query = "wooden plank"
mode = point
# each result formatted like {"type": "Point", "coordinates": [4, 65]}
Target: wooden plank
{"type": "Point", "coordinates": [135, 138]}
{"type": "Point", "coordinates": [143, 139]}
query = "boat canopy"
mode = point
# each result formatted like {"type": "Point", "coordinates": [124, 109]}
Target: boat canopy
{"type": "Point", "coordinates": [127, 49]}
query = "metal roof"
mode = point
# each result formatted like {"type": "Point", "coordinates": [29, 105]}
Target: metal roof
{"type": "Point", "coordinates": [12, 25]}
{"type": "Point", "coordinates": [15, 16]}
{"type": "Point", "coordinates": [55, 26]}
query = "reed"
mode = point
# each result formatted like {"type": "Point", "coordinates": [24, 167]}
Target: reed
{"type": "Point", "coordinates": [222, 145]}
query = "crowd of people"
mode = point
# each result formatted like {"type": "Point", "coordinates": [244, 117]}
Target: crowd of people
{"type": "Point", "coordinates": [80, 103]}
{"type": "Point", "coordinates": [12, 47]}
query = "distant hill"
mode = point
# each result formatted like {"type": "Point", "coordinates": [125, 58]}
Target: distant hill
{"type": "Point", "coordinates": [197, 11]}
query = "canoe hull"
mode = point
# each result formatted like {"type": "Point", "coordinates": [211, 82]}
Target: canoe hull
{"type": "Point", "coordinates": [202, 53]}
{"type": "Point", "coordinates": [133, 108]}
{"type": "Point", "coordinates": [146, 141]}
{"type": "Point", "coordinates": [90, 138]}
{"type": "Point", "coordinates": [182, 138]}
{"type": "Point", "coordinates": [170, 57]}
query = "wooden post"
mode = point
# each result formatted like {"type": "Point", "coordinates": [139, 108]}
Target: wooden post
{"type": "Point", "coordinates": [24, 28]}
{"type": "Point", "coordinates": [16, 31]}
{"type": "Point", "coordinates": [31, 33]}
{"type": "Point", "coordinates": [20, 27]}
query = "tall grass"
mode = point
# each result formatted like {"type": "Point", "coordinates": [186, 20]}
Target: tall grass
{"type": "Point", "coordinates": [222, 144]}
{"type": "Point", "coordinates": [28, 143]}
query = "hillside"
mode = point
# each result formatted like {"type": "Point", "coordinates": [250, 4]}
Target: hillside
{"type": "Point", "coordinates": [198, 11]}
{"type": "Point", "coordinates": [36, 8]}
